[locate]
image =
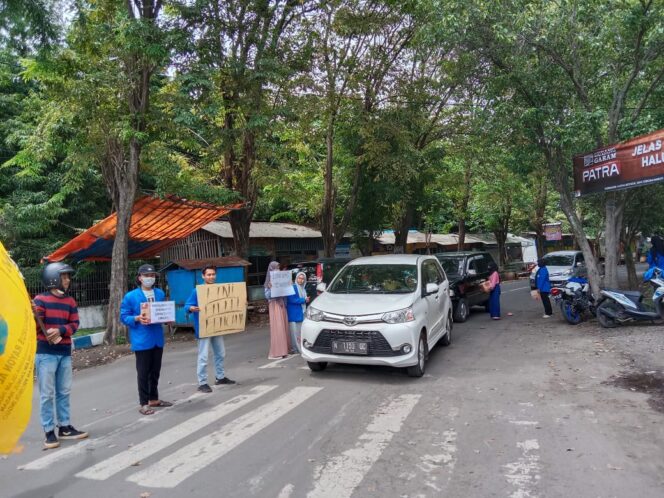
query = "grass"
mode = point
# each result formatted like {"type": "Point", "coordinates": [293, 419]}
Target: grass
{"type": "Point", "coordinates": [84, 332]}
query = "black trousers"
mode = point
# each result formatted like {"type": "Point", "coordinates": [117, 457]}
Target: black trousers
{"type": "Point", "coordinates": [148, 368]}
{"type": "Point", "coordinates": [546, 302]}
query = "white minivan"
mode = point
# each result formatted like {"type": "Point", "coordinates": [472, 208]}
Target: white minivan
{"type": "Point", "coordinates": [380, 310]}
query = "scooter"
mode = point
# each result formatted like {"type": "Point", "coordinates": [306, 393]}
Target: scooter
{"type": "Point", "coordinates": [619, 307]}
{"type": "Point", "coordinates": [575, 300]}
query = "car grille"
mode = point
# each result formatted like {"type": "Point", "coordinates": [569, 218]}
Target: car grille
{"type": "Point", "coordinates": [377, 344]}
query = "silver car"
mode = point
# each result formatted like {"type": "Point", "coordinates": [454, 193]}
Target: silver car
{"type": "Point", "coordinates": [562, 265]}
{"type": "Point", "coordinates": [380, 310]}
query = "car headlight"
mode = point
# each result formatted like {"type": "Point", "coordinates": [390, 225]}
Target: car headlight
{"type": "Point", "coordinates": [567, 273]}
{"type": "Point", "coordinates": [400, 316]}
{"type": "Point", "coordinates": [451, 293]}
{"type": "Point", "coordinates": [313, 314]}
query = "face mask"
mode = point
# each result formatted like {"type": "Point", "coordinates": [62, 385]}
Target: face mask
{"type": "Point", "coordinates": [148, 281]}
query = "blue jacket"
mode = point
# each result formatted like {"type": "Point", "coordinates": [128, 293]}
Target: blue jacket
{"type": "Point", "coordinates": [542, 280]}
{"type": "Point", "coordinates": [192, 300]}
{"type": "Point", "coordinates": [658, 261]}
{"type": "Point", "coordinates": [294, 306]}
{"type": "Point", "coordinates": [141, 336]}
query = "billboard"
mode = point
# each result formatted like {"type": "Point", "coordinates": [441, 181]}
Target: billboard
{"type": "Point", "coordinates": [553, 231]}
{"type": "Point", "coordinates": [634, 163]}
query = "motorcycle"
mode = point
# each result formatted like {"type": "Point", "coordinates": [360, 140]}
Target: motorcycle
{"type": "Point", "coordinates": [575, 300]}
{"type": "Point", "coordinates": [619, 307]}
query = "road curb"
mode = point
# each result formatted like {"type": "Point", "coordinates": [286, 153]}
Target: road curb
{"type": "Point", "coordinates": [88, 341]}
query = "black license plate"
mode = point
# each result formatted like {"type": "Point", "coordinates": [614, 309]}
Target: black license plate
{"type": "Point", "coordinates": [350, 347]}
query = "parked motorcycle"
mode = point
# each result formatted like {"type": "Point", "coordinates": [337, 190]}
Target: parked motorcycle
{"type": "Point", "coordinates": [575, 300]}
{"type": "Point", "coordinates": [619, 307]}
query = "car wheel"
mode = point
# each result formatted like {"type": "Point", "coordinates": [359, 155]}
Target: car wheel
{"type": "Point", "coordinates": [418, 370]}
{"type": "Point", "coordinates": [461, 311]}
{"type": "Point", "coordinates": [447, 338]}
{"type": "Point", "coordinates": [317, 366]}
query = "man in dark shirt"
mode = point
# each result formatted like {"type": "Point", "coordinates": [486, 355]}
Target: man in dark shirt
{"type": "Point", "coordinates": [57, 317]}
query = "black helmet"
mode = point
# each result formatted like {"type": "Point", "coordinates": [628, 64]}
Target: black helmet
{"type": "Point", "coordinates": [51, 274]}
{"type": "Point", "coordinates": [146, 269]}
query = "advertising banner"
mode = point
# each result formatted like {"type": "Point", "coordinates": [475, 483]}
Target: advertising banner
{"type": "Point", "coordinates": [634, 163]}
{"type": "Point", "coordinates": [17, 354]}
{"type": "Point", "coordinates": [553, 231]}
{"type": "Point", "coordinates": [223, 308]}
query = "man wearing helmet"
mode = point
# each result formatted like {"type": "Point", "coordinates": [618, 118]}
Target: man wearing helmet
{"type": "Point", "coordinates": [58, 314]}
{"type": "Point", "coordinates": [147, 340]}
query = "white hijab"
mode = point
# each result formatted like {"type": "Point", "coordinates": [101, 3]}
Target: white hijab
{"type": "Point", "coordinates": [301, 291]}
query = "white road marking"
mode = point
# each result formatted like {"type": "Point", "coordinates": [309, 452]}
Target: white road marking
{"type": "Point", "coordinates": [524, 473]}
{"type": "Point", "coordinates": [176, 467]}
{"type": "Point", "coordinates": [432, 464]}
{"type": "Point", "coordinates": [276, 363]}
{"type": "Point", "coordinates": [340, 475]}
{"type": "Point", "coordinates": [117, 463]}
{"type": "Point", "coordinates": [92, 443]}
{"type": "Point", "coordinates": [287, 491]}
{"type": "Point", "coordinates": [523, 422]}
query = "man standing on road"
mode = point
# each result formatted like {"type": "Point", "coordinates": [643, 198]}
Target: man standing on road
{"type": "Point", "coordinates": [544, 287]}
{"type": "Point", "coordinates": [218, 349]}
{"type": "Point", "coordinates": [147, 340]}
{"type": "Point", "coordinates": [58, 314]}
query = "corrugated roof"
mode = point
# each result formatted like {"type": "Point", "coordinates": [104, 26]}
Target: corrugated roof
{"type": "Point", "coordinates": [415, 237]}
{"type": "Point", "coordinates": [265, 230]}
{"type": "Point", "coordinates": [155, 224]}
{"type": "Point", "coordinates": [197, 264]}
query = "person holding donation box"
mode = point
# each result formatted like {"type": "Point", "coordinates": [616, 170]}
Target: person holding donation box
{"type": "Point", "coordinates": [217, 341]}
{"type": "Point", "coordinates": [147, 339]}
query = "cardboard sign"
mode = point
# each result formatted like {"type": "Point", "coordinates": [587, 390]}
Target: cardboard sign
{"type": "Point", "coordinates": [282, 284]}
{"type": "Point", "coordinates": [223, 309]}
{"type": "Point", "coordinates": [634, 163]}
{"type": "Point", "coordinates": [162, 311]}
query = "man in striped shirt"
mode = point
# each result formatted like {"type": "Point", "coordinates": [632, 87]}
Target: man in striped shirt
{"type": "Point", "coordinates": [57, 319]}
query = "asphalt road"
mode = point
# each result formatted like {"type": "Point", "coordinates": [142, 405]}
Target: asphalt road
{"type": "Point", "coordinates": [521, 407]}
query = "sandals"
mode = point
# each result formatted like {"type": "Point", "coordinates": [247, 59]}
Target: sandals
{"type": "Point", "coordinates": [159, 403]}
{"type": "Point", "coordinates": [146, 410]}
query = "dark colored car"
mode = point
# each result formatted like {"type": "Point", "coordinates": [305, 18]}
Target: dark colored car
{"type": "Point", "coordinates": [317, 271]}
{"type": "Point", "coordinates": [466, 271]}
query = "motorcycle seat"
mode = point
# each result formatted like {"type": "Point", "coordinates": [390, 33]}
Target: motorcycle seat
{"type": "Point", "coordinates": [630, 294]}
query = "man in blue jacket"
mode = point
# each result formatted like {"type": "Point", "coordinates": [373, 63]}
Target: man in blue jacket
{"type": "Point", "coordinates": [147, 340]}
{"type": "Point", "coordinates": [218, 350]}
{"type": "Point", "coordinates": [544, 287]}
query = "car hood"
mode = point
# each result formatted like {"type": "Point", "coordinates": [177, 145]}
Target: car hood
{"type": "Point", "coordinates": [362, 304]}
{"type": "Point", "coordinates": [553, 270]}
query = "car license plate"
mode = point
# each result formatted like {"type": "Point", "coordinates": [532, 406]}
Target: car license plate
{"type": "Point", "coordinates": [350, 347]}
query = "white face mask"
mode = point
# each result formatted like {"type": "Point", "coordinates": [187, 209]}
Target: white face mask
{"type": "Point", "coordinates": [148, 281]}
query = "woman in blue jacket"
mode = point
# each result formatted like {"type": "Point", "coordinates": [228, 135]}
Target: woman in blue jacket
{"type": "Point", "coordinates": [544, 286]}
{"type": "Point", "coordinates": [147, 340]}
{"type": "Point", "coordinates": [655, 256]}
{"type": "Point", "coordinates": [296, 305]}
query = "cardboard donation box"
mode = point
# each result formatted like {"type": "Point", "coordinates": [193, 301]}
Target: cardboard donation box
{"type": "Point", "coordinates": [159, 311]}
{"type": "Point", "coordinates": [223, 308]}
{"type": "Point", "coordinates": [282, 284]}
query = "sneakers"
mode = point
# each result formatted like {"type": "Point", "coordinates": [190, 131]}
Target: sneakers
{"type": "Point", "coordinates": [223, 381]}
{"type": "Point", "coordinates": [204, 388]}
{"type": "Point", "coordinates": [546, 316]}
{"type": "Point", "coordinates": [68, 432]}
{"type": "Point", "coordinates": [51, 441]}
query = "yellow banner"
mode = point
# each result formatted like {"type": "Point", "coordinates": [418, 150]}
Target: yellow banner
{"type": "Point", "coordinates": [17, 354]}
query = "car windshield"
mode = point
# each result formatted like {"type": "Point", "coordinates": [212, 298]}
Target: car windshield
{"type": "Point", "coordinates": [559, 259]}
{"type": "Point", "coordinates": [452, 265]}
{"type": "Point", "coordinates": [375, 279]}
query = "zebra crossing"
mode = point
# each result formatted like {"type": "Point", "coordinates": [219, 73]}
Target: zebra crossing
{"type": "Point", "coordinates": [169, 458]}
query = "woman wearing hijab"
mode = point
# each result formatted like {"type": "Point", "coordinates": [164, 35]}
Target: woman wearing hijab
{"type": "Point", "coordinates": [279, 346]}
{"type": "Point", "coordinates": [296, 305]}
{"type": "Point", "coordinates": [494, 294]}
{"type": "Point", "coordinates": [544, 287]}
{"type": "Point", "coordinates": [655, 256]}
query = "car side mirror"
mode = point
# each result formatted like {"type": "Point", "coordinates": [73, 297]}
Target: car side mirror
{"type": "Point", "coordinates": [472, 273]}
{"type": "Point", "coordinates": [321, 287]}
{"type": "Point", "coordinates": [431, 289]}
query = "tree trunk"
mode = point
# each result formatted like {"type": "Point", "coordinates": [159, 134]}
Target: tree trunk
{"type": "Point", "coordinates": [462, 234]}
{"type": "Point", "coordinates": [401, 232]}
{"type": "Point", "coordinates": [240, 220]}
{"type": "Point", "coordinates": [627, 239]}
{"type": "Point", "coordinates": [501, 238]}
{"type": "Point", "coordinates": [465, 200]}
{"type": "Point", "coordinates": [327, 212]}
{"type": "Point", "coordinates": [614, 209]}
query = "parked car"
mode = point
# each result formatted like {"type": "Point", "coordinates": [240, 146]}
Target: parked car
{"type": "Point", "coordinates": [317, 271]}
{"type": "Point", "coordinates": [380, 310]}
{"type": "Point", "coordinates": [561, 265]}
{"type": "Point", "coordinates": [466, 271]}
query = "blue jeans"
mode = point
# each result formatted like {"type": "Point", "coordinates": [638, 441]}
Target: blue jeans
{"type": "Point", "coordinates": [218, 351]}
{"type": "Point", "coordinates": [54, 375]}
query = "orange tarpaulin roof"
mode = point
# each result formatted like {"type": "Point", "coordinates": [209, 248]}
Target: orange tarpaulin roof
{"type": "Point", "coordinates": [155, 224]}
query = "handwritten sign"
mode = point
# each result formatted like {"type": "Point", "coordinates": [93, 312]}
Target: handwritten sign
{"type": "Point", "coordinates": [282, 284]}
{"type": "Point", "coordinates": [223, 308]}
{"type": "Point", "coordinates": [162, 311]}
